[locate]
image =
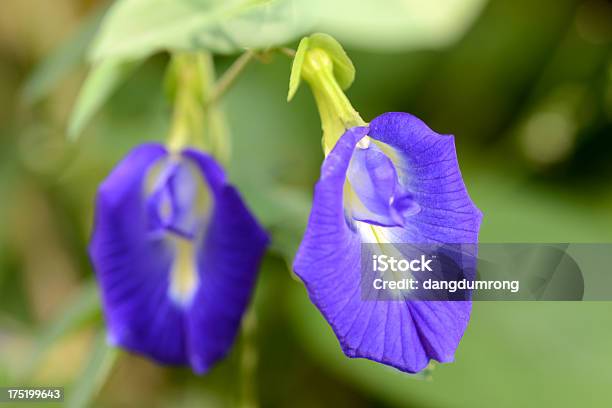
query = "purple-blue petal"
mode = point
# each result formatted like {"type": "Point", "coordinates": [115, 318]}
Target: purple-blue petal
{"type": "Point", "coordinates": [402, 334]}
{"type": "Point", "coordinates": [133, 254]}
{"type": "Point", "coordinates": [373, 179]}
{"type": "Point", "coordinates": [227, 260]}
{"type": "Point", "coordinates": [133, 269]}
{"type": "Point", "coordinates": [427, 166]}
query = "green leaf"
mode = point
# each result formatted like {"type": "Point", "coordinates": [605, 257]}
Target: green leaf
{"type": "Point", "coordinates": [84, 307]}
{"type": "Point", "coordinates": [94, 374]}
{"type": "Point", "coordinates": [138, 28]}
{"type": "Point", "coordinates": [394, 25]}
{"type": "Point", "coordinates": [102, 81]}
{"type": "Point", "coordinates": [62, 61]}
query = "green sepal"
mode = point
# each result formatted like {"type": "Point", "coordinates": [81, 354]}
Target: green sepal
{"type": "Point", "coordinates": [322, 62]}
{"type": "Point", "coordinates": [296, 68]}
{"type": "Point", "coordinates": [343, 68]}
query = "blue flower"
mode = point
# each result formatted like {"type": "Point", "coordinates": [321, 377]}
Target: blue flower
{"type": "Point", "coordinates": [176, 254]}
{"type": "Point", "coordinates": [394, 181]}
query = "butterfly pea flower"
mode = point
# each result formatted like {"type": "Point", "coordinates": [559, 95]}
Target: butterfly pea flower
{"type": "Point", "coordinates": [392, 181]}
{"type": "Point", "coordinates": [402, 186]}
{"type": "Point", "coordinates": [176, 254]}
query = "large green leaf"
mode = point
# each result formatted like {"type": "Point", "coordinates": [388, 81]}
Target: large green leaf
{"type": "Point", "coordinates": [138, 28]}
{"type": "Point", "coordinates": [394, 25]}
{"type": "Point", "coordinates": [100, 84]}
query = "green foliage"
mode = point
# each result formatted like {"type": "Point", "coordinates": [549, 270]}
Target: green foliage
{"type": "Point", "coordinates": [514, 349]}
{"type": "Point", "coordinates": [134, 29]}
{"type": "Point", "coordinates": [395, 25]}
{"type": "Point", "coordinates": [139, 28]}
{"type": "Point", "coordinates": [104, 78]}
{"type": "Point", "coordinates": [82, 309]}
{"type": "Point", "coordinates": [94, 373]}
{"type": "Point", "coordinates": [63, 61]}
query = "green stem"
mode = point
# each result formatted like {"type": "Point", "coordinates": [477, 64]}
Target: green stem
{"type": "Point", "coordinates": [229, 77]}
{"type": "Point", "coordinates": [248, 361]}
{"type": "Point", "coordinates": [290, 52]}
{"type": "Point", "coordinates": [180, 132]}
{"type": "Point", "coordinates": [197, 118]}
{"type": "Point", "coordinates": [336, 112]}
{"type": "Point", "coordinates": [190, 80]}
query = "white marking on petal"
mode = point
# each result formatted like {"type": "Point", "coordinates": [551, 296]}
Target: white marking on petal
{"type": "Point", "coordinates": [374, 234]}
{"type": "Point", "coordinates": [364, 143]}
{"type": "Point", "coordinates": [184, 277]}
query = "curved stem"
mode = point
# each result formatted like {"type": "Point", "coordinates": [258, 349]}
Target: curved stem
{"type": "Point", "coordinates": [229, 77]}
{"type": "Point", "coordinates": [290, 52]}
{"type": "Point", "coordinates": [248, 361]}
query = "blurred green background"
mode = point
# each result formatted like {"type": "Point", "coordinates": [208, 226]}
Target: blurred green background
{"type": "Point", "coordinates": [526, 88]}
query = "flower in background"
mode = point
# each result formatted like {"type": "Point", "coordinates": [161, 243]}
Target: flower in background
{"type": "Point", "coordinates": [176, 254]}
{"type": "Point", "coordinates": [401, 184]}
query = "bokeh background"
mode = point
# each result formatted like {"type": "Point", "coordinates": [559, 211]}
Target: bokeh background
{"type": "Point", "coordinates": [526, 88]}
